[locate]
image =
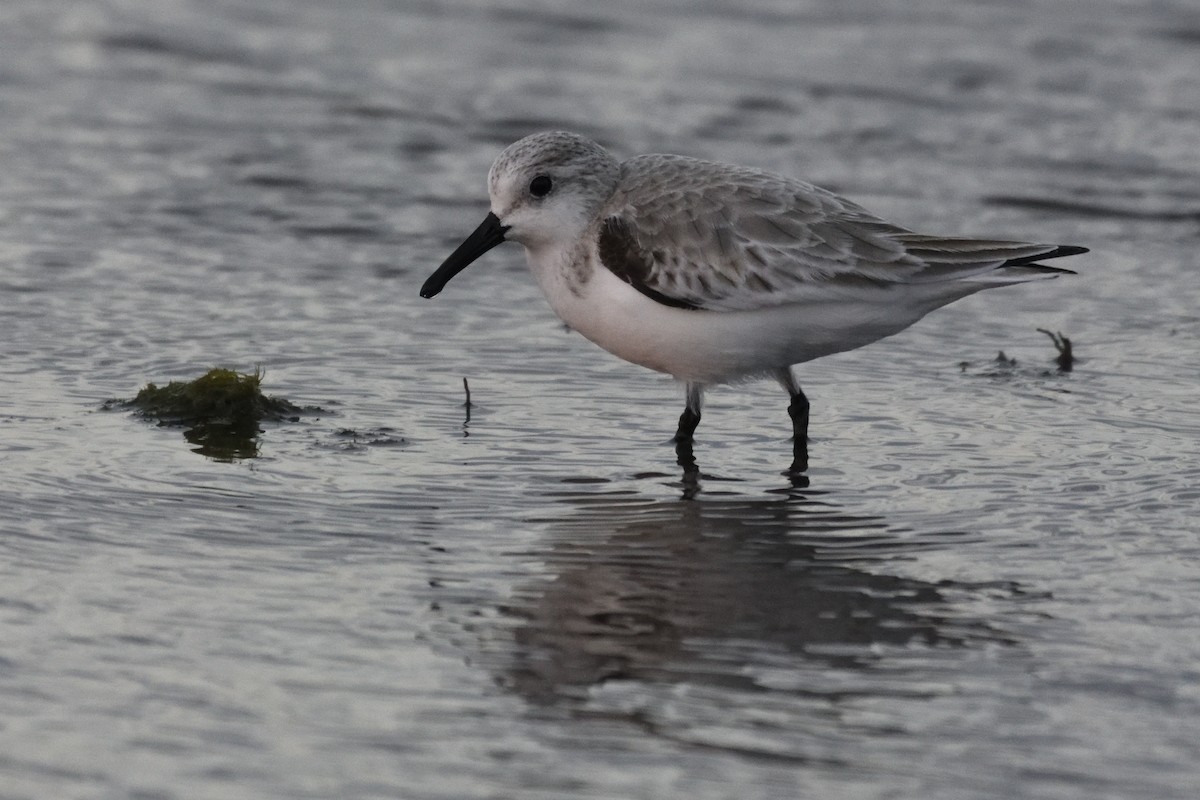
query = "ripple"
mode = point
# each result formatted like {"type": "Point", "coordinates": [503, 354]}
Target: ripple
{"type": "Point", "coordinates": [152, 44]}
{"type": "Point", "coordinates": [1093, 210]}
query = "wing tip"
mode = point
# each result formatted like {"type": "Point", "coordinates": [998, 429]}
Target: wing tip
{"type": "Point", "coordinates": [1058, 251]}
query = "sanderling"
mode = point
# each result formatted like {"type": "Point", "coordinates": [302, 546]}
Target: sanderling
{"type": "Point", "coordinates": [712, 272]}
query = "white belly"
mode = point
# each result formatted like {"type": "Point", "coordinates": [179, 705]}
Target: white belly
{"type": "Point", "coordinates": [720, 346]}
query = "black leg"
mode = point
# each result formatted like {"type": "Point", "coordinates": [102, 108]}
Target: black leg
{"type": "Point", "coordinates": [683, 443]}
{"type": "Point", "coordinates": [798, 411]}
{"type": "Point", "coordinates": [690, 417]}
{"type": "Point", "coordinates": [685, 458]}
{"type": "Point", "coordinates": [688, 421]}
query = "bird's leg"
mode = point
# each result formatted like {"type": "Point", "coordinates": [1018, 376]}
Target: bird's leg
{"type": "Point", "coordinates": [798, 411]}
{"type": "Point", "coordinates": [690, 417]}
{"type": "Point", "coordinates": [687, 426]}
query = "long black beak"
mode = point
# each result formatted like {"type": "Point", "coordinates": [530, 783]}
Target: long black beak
{"type": "Point", "coordinates": [489, 234]}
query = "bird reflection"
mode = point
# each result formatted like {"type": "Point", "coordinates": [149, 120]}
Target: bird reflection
{"type": "Point", "coordinates": [691, 591]}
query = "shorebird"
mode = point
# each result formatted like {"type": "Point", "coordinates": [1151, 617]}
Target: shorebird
{"type": "Point", "coordinates": [713, 273]}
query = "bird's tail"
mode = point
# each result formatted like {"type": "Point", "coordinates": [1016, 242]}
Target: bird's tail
{"type": "Point", "coordinates": [988, 261]}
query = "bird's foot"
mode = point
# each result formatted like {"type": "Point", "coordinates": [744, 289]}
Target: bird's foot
{"type": "Point", "coordinates": [799, 456]}
{"type": "Point", "coordinates": [684, 456]}
{"type": "Point", "coordinates": [798, 467]}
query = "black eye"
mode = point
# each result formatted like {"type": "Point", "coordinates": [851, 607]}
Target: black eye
{"type": "Point", "coordinates": [540, 186]}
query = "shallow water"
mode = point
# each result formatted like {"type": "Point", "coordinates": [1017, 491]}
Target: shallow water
{"type": "Point", "coordinates": [988, 588]}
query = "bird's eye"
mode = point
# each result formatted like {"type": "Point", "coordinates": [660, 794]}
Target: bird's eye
{"type": "Point", "coordinates": [540, 186]}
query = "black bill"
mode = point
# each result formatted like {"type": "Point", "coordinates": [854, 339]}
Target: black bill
{"type": "Point", "coordinates": [489, 234]}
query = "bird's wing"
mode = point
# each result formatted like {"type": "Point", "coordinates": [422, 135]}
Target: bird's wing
{"type": "Point", "coordinates": [702, 235]}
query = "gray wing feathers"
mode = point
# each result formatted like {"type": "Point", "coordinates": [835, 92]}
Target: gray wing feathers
{"type": "Point", "coordinates": [715, 236]}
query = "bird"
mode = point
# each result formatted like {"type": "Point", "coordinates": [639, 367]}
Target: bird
{"type": "Point", "coordinates": [716, 273]}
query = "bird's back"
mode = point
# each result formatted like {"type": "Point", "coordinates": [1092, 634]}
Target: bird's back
{"type": "Point", "coordinates": [719, 237]}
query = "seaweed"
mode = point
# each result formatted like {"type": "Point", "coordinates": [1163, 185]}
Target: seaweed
{"type": "Point", "coordinates": [1002, 366]}
{"type": "Point", "coordinates": [219, 394]}
{"type": "Point", "coordinates": [221, 411]}
{"type": "Point", "coordinates": [1066, 356]}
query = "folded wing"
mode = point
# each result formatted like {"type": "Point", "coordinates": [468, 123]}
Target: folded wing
{"type": "Point", "coordinates": [701, 235]}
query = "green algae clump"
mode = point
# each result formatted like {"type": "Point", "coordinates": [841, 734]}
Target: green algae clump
{"type": "Point", "coordinates": [219, 395]}
{"type": "Point", "coordinates": [220, 411]}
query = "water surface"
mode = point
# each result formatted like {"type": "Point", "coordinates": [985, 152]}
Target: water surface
{"type": "Point", "coordinates": [986, 589]}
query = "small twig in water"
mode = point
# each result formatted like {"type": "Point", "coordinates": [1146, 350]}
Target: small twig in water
{"type": "Point", "coordinates": [1066, 359]}
{"type": "Point", "coordinates": [467, 406]}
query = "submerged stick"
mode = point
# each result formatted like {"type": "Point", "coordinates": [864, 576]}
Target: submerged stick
{"type": "Point", "coordinates": [467, 406]}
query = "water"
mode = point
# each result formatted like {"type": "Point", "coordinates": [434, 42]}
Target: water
{"type": "Point", "coordinates": [988, 589]}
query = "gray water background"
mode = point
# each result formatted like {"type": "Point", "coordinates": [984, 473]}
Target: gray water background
{"type": "Point", "coordinates": [989, 590]}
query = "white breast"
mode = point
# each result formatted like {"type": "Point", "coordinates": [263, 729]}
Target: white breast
{"type": "Point", "coordinates": [719, 346]}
